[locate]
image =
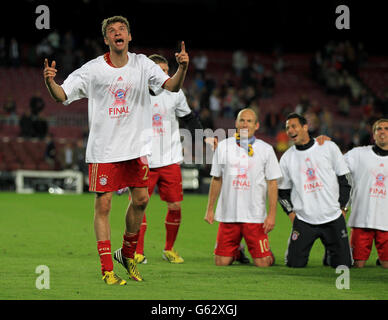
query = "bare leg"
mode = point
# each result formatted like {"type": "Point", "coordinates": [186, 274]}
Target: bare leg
{"type": "Point", "coordinates": [102, 207]}
{"type": "Point", "coordinates": [384, 264]}
{"type": "Point", "coordinates": [136, 209]}
{"type": "Point", "coordinates": [359, 263]}
{"type": "Point", "coordinates": [223, 261]}
{"type": "Point", "coordinates": [263, 262]}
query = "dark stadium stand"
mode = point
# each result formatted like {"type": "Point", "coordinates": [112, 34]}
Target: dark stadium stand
{"type": "Point", "coordinates": [70, 123]}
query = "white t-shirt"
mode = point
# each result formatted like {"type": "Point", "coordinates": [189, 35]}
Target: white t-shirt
{"type": "Point", "coordinates": [312, 177]}
{"type": "Point", "coordinates": [244, 180]}
{"type": "Point", "coordinates": [369, 196]}
{"type": "Point", "coordinates": [119, 106]}
{"type": "Point", "coordinates": [166, 140]}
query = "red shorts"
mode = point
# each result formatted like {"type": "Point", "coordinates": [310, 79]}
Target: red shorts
{"type": "Point", "coordinates": [361, 242]}
{"type": "Point", "coordinates": [169, 182]}
{"type": "Point", "coordinates": [230, 234]}
{"type": "Point", "coordinates": [109, 177]}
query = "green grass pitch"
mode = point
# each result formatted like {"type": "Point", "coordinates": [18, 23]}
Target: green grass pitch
{"type": "Point", "coordinates": [57, 231]}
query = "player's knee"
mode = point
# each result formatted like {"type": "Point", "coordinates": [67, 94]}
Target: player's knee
{"type": "Point", "coordinates": [359, 264]}
{"type": "Point", "coordinates": [223, 261]}
{"type": "Point", "coordinates": [103, 205]}
{"type": "Point", "coordinates": [263, 262]}
{"type": "Point", "coordinates": [141, 202]}
{"type": "Point", "coordinates": [175, 206]}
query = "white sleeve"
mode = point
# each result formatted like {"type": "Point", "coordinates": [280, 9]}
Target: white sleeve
{"type": "Point", "coordinates": [338, 160]}
{"type": "Point", "coordinates": [350, 159]}
{"type": "Point", "coordinates": [155, 75]}
{"type": "Point", "coordinates": [284, 182]}
{"type": "Point", "coordinates": [272, 168]}
{"type": "Point", "coordinates": [76, 85]}
{"type": "Point", "coordinates": [182, 108]}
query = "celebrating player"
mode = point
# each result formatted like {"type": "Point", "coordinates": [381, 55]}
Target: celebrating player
{"type": "Point", "coordinates": [244, 169]}
{"type": "Point", "coordinates": [116, 85]}
{"type": "Point", "coordinates": [314, 190]}
{"type": "Point", "coordinates": [368, 219]}
{"type": "Point", "coordinates": [165, 171]}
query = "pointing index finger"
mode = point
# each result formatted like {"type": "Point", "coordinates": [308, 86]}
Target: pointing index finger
{"type": "Point", "coordinates": [183, 47]}
{"type": "Point", "coordinates": [45, 63]}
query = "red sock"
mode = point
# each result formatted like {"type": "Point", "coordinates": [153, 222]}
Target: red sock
{"type": "Point", "coordinates": [140, 241]}
{"type": "Point", "coordinates": [129, 245]}
{"type": "Point", "coordinates": [104, 251]}
{"type": "Point", "coordinates": [172, 223]}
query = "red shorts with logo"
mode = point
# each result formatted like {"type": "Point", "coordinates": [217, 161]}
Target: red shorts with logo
{"type": "Point", "coordinates": [230, 234]}
{"type": "Point", "coordinates": [169, 182]}
{"type": "Point", "coordinates": [361, 242]}
{"type": "Point", "coordinates": [109, 177]}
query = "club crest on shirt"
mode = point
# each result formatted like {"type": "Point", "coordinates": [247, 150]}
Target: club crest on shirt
{"type": "Point", "coordinates": [378, 189]}
{"type": "Point", "coordinates": [157, 120]}
{"type": "Point", "coordinates": [380, 178]}
{"type": "Point", "coordinates": [241, 180]}
{"type": "Point", "coordinates": [310, 172]}
{"type": "Point", "coordinates": [119, 91]}
{"type": "Point", "coordinates": [157, 124]}
{"type": "Point", "coordinates": [312, 182]}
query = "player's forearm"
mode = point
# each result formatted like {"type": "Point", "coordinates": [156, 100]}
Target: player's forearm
{"type": "Point", "coordinates": [56, 91]}
{"type": "Point", "coordinates": [284, 196]}
{"type": "Point", "coordinates": [176, 81]}
{"type": "Point", "coordinates": [272, 197]}
{"type": "Point", "coordinates": [214, 192]}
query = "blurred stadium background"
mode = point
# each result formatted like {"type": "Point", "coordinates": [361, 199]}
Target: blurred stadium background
{"type": "Point", "coordinates": [275, 57]}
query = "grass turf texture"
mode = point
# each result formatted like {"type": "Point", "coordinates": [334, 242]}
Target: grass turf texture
{"type": "Point", "coordinates": [57, 231]}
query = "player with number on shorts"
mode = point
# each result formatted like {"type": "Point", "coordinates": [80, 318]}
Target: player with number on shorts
{"type": "Point", "coordinates": [119, 109]}
{"type": "Point", "coordinates": [244, 170]}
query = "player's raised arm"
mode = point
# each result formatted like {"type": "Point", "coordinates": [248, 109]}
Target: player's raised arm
{"type": "Point", "coordinates": [55, 90]}
{"type": "Point", "coordinates": [176, 81]}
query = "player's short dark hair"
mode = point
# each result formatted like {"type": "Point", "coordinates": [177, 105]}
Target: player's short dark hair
{"type": "Point", "coordinates": [106, 22]}
{"type": "Point", "coordinates": [294, 115]}
{"type": "Point", "coordinates": [157, 58]}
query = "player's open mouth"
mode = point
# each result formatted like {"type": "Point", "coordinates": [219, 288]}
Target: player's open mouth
{"type": "Point", "coordinates": [119, 41]}
{"type": "Point", "coordinates": [293, 136]}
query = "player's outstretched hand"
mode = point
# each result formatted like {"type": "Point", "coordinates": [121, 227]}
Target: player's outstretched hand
{"type": "Point", "coordinates": [182, 57]}
{"type": "Point", "coordinates": [49, 72]}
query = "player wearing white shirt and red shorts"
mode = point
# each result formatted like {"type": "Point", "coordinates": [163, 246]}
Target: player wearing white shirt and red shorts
{"type": "Point", "coordinates": [116, 85]}
{"type": "Point", "coordinates": [315, 191]}
{"type": "Point", "coordinates": [164, 163]}
{"type": "Point", "coordinates": [369, 198]}
{"type": "Point", "coordinates": [244, 169]}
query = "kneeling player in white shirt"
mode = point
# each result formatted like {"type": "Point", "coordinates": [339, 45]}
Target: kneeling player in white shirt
{"type": "Point", "coordinates": [244, 169]}
{"type": "Point", "coordinates": [119, 109]}
{"type": "Point", "coordinates": [369, 199]}
{"type": "Point", "coordinates": [314, 189]}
